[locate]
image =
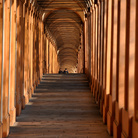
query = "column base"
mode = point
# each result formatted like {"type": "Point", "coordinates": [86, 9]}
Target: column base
{"type": "Point", "coordinates": [126, 125]}
{"type": "Point", "coordinates": [97, 92]}
{"type": "Point", "coordinates": [1, 130]}
{"type": "Point", "coordinates": [30, 93]}
{"type": "Point", "coordinates": [135, 128]}
{"type": "Point", "coordinates": [32, 90]}
{"type": "Point", "coordinates": [101, 106]}
{"type": "Point", "coordinates": [109, 123]}
{"type": "Point", "coordinates": [26, 98]}
{"type": "Point", "coordinates": [110, 115]}
{"type": "Point", "coordinates": [94, 84]}
{"type": "Point", "coordinates": [100, 94]}
{"type": "Point", "coordinates": [116, 130]}
{"type": "Point", "coordinates": [117, 124]}
{"type": "Point", "coordinates": [18, 108]}
{"type": "Point", "coordinates": [34, 86]}
{"type": "Point", "coordinates": [105, 110]}
{"type": "Point", "coordinates": [6, 125]}
{"type": "Point", "coordinates": [12, 116]}
{"type": "Point", "coordinates": [38, 80]}
{"type": "Point", "coordinates": [23, 102]}
{"type": "Point", "coordinates": [36, 83]}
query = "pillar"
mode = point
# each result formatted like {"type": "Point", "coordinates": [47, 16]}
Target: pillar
{"type": "Point", "coordinates": [26, 75]}
{"type": "Point", "coordinates": [42, 47]}
{"type": "Point", "coordinates": [110, 113]}
{"type": "Point", "coordinates": [98, 51]}
{"type": "Point", "coordinates": [89, 46]}
{"type": "Point", "coordinates": [18, 60]}
{"type": "Point", "coordinates": [134, 73]}
{"type": "Point", "coordinates": [21, 4]}
{"type": "Point", "coordinates": [49, 57]}
{"type": "Point", "coordinates": [128, 110]}
{"type": "Point", "coordinates": [1, 45]}
{"type": "Point", "coordinates": [29, 52]}
{"type": "Point", "coordinates": [34, 49]}
{"type": "Point", "coordinates": [93, 42]}
{"type": "Point", "coordinates": [105, 106]}
{"type": "Point", "coordinates": [47, 63]}
{"type": "Point", "coordinates": [115, 48]}
{"type": "Point", "coordinates": [101, 96]}
{"type": "Point", "coordinates": [86, 43]}
{"type": "Point", "coordinates": [120, 104]}
{"type": "Point", "coordinates": [80, 66]}
{"type": "Point", "coordinates": [12, 64]}
{"type": "Point", "coordinates": [31, 49]}
{"type": "Point", "coordinates": [96, 54]}
{"type": "Point", "coordinates": [5, 83]}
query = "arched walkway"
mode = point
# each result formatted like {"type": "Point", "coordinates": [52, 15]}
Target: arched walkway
{"type": "Point", "coordinates": [98, 38]}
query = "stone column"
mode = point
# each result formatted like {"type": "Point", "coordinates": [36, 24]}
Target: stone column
{"type": "Point", "coordinates": [128, 110]}
{"type": "Point", "coordinates": [92, 22]}
{"type": "Point", "coordinates": [47, 55]}
{"type": "Point", "coordinates": [110, 114]}
{"type": "Point", "coordinates": [18, 67]}
{"type": "Point", "coordinates": [37, 50]}
{"type": "Point", "coordinates": [116, 49]}
{"type": "Point", "coordinates": [22, 24]}
{"type": "Point", "coordinates": [102, 56]}
{"type": "Point", "coordinates": [42, 47]}
{"type": "Point", "coordinates": [34, 49]}
{"type": "Point", "coordinates": [44, 53]}
{"type": "Point", "coordinates": [115, 43]}
{"type": "Point", "coordinates": [135, 119]}
{"type": "Point", "coordinates": [86, 43]}
{"type": "Point", "coordinates": [93, 42]}
{"type": "Point", "coordinates": [31, 49]}
{"type": "Point", "coordinates": [89, 46]}
{"type": "Point", "coordinates": [49, 58]}
{"type": "Point", "coordinates": [53, 58]}
{"type": "Point", "coordinates": [26, 55]}
{"type": "Point", "coordinates": [6, 43]}
{"type": "Point", "coordinates": [1, 45]}
{"type": "Point", "coordinates": [80, 66]}
{"type": "Point", "coordinates": [105, 106]}
{"type": "Point", "coordinates": [121, 64]}
{"type": "Point", "coordinates": [12, 67]}
{"type": "Point", "coordinates": [96, 53]}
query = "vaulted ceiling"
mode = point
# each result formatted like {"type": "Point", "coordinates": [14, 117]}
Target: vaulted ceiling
{"type": "Point", "coordinates": [64, 22]}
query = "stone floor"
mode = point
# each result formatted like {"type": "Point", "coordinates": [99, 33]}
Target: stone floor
{"type": "Point", "coordinates": [61, 107]}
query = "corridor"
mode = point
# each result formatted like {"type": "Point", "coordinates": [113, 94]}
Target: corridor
{"type": "Point", "coordinates": [62, 106]}
{"type": "Point", "coordinates": [96, 40]}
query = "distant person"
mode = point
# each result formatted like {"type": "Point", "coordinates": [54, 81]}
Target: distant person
{"type": "Point", "coordinates": [60, 71]}
{"type": "Point", "coordinates": [65, 71]}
